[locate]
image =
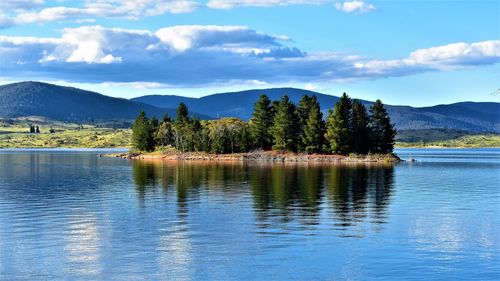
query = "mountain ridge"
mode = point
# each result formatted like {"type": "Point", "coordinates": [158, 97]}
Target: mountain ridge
{"type": "Point", "coordinates": [31, 98]}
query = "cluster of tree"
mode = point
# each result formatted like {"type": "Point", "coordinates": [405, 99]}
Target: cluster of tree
{"type": "Point", "coordinates": [277, 125]}
{"type": "Point", "coordinates": [281, 125]}
{"type": "Point", "coordinates": [34, 129]}
{"type": "Point", "coordinates": [227, 135]}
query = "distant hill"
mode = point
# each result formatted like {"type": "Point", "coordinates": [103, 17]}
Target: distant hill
{"type": "Point", "coordinates": [69, 104]}
{"type": "Point", "coordinates": [464, 116]}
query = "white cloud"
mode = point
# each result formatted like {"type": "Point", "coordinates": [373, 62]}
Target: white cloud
{"type": "Point", "coordinates": [222, 38]}
{"type": "Point", "coordinates": [26, 12]}
{"type": "Point", "coordinates": [128, 9]}
{"type": "Point", "coordinates": [354, 6]}
{"type": "Point", "coordinates": [229, 4]}
{"type": "Point", "coordinates": [181, 56]}
{"type": "Point", "coordinates": [20, 4]}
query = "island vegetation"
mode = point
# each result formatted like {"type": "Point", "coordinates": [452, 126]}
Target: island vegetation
{"type": "Point", "coordinates": [278, 126]}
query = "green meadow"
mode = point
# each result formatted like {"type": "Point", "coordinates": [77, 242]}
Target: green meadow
{"type": "Point", "coordinates": [15, 134]}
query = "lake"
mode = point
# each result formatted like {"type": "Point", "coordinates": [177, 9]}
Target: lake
{"type": "Point", "coordinates": [69, 215]}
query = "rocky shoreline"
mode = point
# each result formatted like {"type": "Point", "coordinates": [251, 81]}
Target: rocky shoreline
{"type": "Point", "coordinates": [260, 156]}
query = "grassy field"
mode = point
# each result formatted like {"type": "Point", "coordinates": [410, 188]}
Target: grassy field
{"type": "Point", "coordinates": [470, 141]}
{"type": "Point", "coordinates": [15, 134]}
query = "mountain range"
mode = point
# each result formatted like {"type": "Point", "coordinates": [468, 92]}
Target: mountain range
{"type": "Point", "coordinates": [73, 104]}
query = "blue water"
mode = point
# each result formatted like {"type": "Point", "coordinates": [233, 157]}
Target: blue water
{"type": "Point", "coordinates": [69, 215]}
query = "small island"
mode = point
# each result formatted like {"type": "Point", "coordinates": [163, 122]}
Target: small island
{"type": "Point", "coordinates": [279, 131]}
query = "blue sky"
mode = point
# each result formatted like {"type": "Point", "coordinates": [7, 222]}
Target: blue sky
{"type": "Point", "coordinates": [404, 52]}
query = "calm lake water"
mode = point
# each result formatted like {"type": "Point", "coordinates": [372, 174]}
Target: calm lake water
{"type": "Point", "coordinates": [69, 215]}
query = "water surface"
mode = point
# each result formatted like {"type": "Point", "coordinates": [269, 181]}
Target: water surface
{"type": "Point", "coordinates": [69, 215]}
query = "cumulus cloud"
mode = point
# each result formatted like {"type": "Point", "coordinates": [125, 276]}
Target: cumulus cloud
{"type": "Point", "coordinates": [211, 55]}
{"type": "Point", "coordinates": [354, 6]}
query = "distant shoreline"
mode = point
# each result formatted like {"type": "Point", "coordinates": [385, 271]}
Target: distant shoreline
{"type": "Point", "coordinates": [260, 156]}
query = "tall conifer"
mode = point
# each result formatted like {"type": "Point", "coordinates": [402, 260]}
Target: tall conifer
{"type": "Point", "coordinates": [312, 135]}
{"type": "Point", "coordinates": [360, 129]}
{"type": "Point", "coordinates": [284, 129]}
{"type": "Point", "coordinates": [338, 126]}
{"type": "Point", "coordinates": [383, 133]}
{"type": "Point", "coordinates": [260, 123]}
{"type": "Point", "coordinates": [142, 137]}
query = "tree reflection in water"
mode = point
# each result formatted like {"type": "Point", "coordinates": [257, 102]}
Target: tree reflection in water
{"type": "Point", "coordinates": [280, 192]}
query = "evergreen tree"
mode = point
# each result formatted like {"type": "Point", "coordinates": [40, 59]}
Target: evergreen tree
{"type": "Point", "coordinates": [194, 131]}
{"type": "Point", "coordinates": [360, 129]}
{"type": "Point", "coordinates": [182, 113]}
{"type": "Point", "coordinates": [142, 137]}
{"type": "Point", "coordinates": [166, 118]}
{"type": "Point", "coordinates": [284, 129]}
{"type": "Point", "coordinates": [154, 123]}
{"type": "Point", "coordinates": [260, 123]}
{"type": "Point", "coordinates": [382, 131]}
{"type": "Point", "coordinates": [304, 108]}
{"type": "Point", "coordinates": [338, 126]}
{"type": "Point", "coordinates": [32, 129]}
{"type": "Point", "coordinates": [313, 131]}
{"type": "Point", "coordinates": [182, 129]}
{"type": "Point", "coordinates": [37, 130]}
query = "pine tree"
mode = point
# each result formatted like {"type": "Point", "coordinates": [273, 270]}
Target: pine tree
{"type": "Point", "coordinates": [303, 110]}
{"type": "Point", "coordinates": [32, 129]}
{"type": "Point", "coordinates": [313, 129]}
{"type": "Point", "coordinates": [37, 130]}
{"type": "Point", "coordinates": [181, 129]}
{"type": "Point", "coordinates": [338, 126]}
{"type": "Point", "coordinates": [360, 129]}
{"type": "Point", "coordinates": [382, 131]}
{"type": "Point", "coordinates": [166, 118]}
{"type": "Point", "coordinates": [142, 138]}
{"type": "Point", "coordinates": [260, 123]}
{"type": "Point", "coordinates": [154, 123]}
{"type": "Point", "coordinates": [182, 113]}
{"type": "Point", "coordinates": [284, 129]}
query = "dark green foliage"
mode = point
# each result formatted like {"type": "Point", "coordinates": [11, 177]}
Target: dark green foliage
{"type": "Point", "coordinates": [142, 135]}
{"type": "Point", "coordinates": [360, 129]}
{"type": "Point", "coordinates": [154, 125]}
{"type": "Point", "coordinates": [37, 130]}
{"type": "Point", "coordinates": [261, 122]}
{"type": "Point", "coordinates": [312, 125]}
{"type": "Point", "coordinates": [285, 128]}
{"type": "Point", "coordinates": [195, 130]}
{"type": "Point", "coordinates": [383, 133]}
{"type": "Point", "coordinates": [166, 118]}
{"type": "Point", "coordinates": [32, 129]}
{"type": "Point", "coordinates": [182, 114]}
{"type": "Point", "coordinates": [338, 126]}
